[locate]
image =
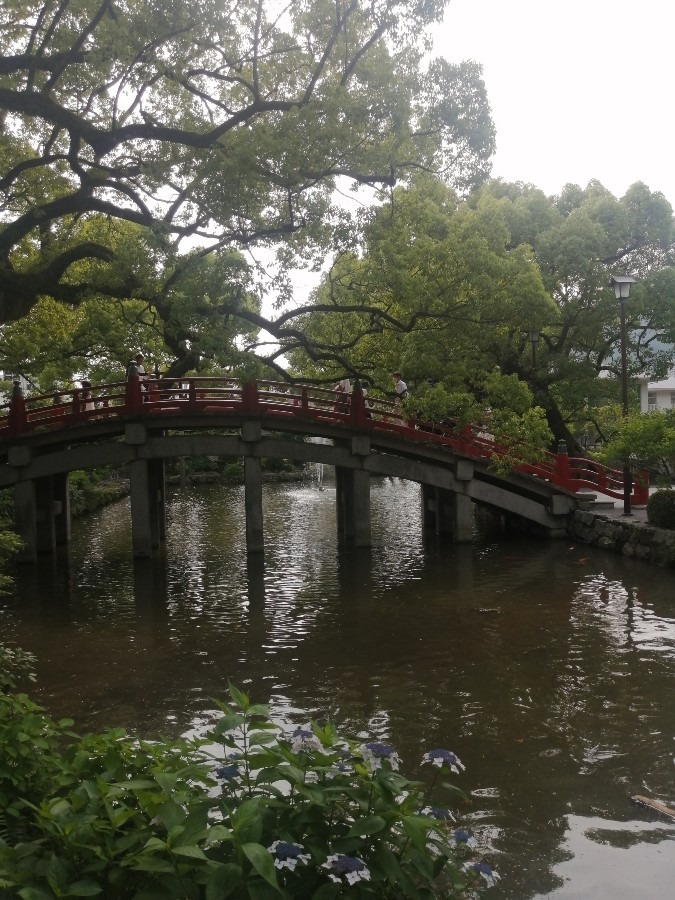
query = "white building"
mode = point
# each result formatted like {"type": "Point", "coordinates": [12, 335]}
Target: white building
{"type": "Point", "coordinates": [655, 395]}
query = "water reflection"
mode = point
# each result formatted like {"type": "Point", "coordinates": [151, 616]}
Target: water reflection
{"type": "Point", "coordinates": [547, 667]}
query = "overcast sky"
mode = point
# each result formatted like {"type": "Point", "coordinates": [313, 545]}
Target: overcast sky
{"type": "Point", "coordinates": [579, 89]}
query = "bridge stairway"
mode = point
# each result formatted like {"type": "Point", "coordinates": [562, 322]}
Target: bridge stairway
{"type": "Point", "coordinates": [589, 500]}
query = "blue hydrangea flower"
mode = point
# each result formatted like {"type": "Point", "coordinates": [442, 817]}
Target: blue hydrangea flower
{"type": "Point", "coordinates": [484, 870]}
{"type": "Point", "coordinates": [303, 738]}
{"type": "Point", "coordinates": [437, 812]}
{"type": "Point", "coordinates": [339, 768]}
{"type": "Point", "coordinates": [287, 856]}
{"type": "Point", "coordinates": [442, 758]}
{"type": "Point", "coordinates": [374, 752]}
{"type": "Point", "coordinates": [462, 837]}
{"type": "Point", "coordinates": [228, 773]}
{"type": "Point", "coordinates": [349, 868]}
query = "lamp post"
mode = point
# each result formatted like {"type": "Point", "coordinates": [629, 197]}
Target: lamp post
{"type": "Point", "coordinates": [621, 285]}
{"type": "Point", "coordinates": [533, 338]}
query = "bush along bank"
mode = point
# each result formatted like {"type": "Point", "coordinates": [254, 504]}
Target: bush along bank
{"type": "Point", "coordinates": [639, 540]}
{"type": "Point", "coordinates": [255, 811]}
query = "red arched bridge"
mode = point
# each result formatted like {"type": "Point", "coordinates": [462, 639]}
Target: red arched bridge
{"type": "Point", "coordinates": [141, 423]}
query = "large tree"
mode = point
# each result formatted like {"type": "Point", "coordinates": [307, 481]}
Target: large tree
{"type": "Point", "coordinates": [210, 126]}
{"type": "Point", "coordinates": [579, 238]}
{"type": "Point", "coordinates": [453, 290]}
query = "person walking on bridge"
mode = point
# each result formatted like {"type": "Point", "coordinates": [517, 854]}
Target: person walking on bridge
{"type": "Point", "coordinates": [400, 386]}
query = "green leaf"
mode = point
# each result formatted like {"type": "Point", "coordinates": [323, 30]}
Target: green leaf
{"type": "Point", "coordinates": [227, 723]}
{"type": "Point", "coordinates": [136, 785]}
{"type": "Point", "coordinates": [260, 890]}
{"type": "Point", "coordinates": [242, 700]}
{"type": "Point", "coordinates": [369, 825]}
{"type": "Point", "coordinates": [326, 891]}
{"type": "Point", "coordinates": [84, 889]}
{"type": "Point", "coordinates": [191, 852]}
{"type": "Point", "coordinates": [32, 893]}
{"type": "Point", "coordinates": [225, 879]}
{"type": "Point", "coordinates": [262, 862]}
{"type": "Point", "coordinates": [217, 834]}
{"type": "Point", "coordinates": [247, 821]}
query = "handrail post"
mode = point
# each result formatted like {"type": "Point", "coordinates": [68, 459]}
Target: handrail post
{"type": "Point", "coordinates": [304, 400]}
{"type": "Point", "coordinates": [76, 405]}
{"type": "Point", "coordinates": [562, 466]}
{"type": "Point", "coordinates": [358, 406]}
{"type": "Point", "coordinates": [641, 490]}
{"type": "Point", "coordinates": [133, 399]}
{"type": "Point", "coordinates": [18, 415]}
{"type": "Point", "coordinates": [192, 394]}
{"type": "Point", "coordinates": [250, 397]}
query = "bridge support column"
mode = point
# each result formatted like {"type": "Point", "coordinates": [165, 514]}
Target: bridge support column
{"type": "Point", "coordinates": [25, 519]}
{"type": "Point", "coordinates": [462, 519]}
{"type": "Point", "coordinates": [255, 537]}
{"type": "Point", "coordinates": [45, 515]}
{"type": "Point", "coordinates": [62, 520]}
{"type": "Point", "coordinates": [352, 495]}
{"type": "Point", "coordinates": [157, 486]}
{"type": "Point", "coordinates": [141, 508]}
{"type": "Point", "coordinates": [437, 509]}
{"type": "Point", "coordinates": [447, 512]}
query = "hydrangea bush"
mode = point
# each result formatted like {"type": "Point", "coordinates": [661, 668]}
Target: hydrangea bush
{"type": "Point", "coordinates": [255, 810]}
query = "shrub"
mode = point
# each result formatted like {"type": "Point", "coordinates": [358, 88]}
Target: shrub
{"type": "Point", "coordinates": [661, 509]}
{"type": "Point", "coordinates": [282, 813]}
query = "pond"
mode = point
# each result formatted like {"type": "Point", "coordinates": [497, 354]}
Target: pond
{"type": "Point", "coordinates": [548, 667]}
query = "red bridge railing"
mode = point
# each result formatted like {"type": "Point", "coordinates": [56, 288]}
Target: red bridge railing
{"type": "Point", "coordinates": [165, 397]}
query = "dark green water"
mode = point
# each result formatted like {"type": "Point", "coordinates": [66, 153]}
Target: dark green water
{"type": "Point", "coordinates": [548, 668]}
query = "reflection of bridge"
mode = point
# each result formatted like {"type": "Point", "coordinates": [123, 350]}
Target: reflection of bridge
{"type": "Point", "coordinates": [140, 425]}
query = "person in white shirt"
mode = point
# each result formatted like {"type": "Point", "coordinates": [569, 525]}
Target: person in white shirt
{"type": "Point", "coordinates": [400, 386]}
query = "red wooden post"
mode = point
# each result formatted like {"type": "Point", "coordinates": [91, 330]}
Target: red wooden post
{"type": "Point", "coordinates": [192, 394]}
{"type": "Point", "coordinates": [249, 396]}
{"type": "Point", "coordinates": [304, 400]}
{"type": "Point", "coordinates": [133, 400]}
{"type": "Point", "coordinates": [562, 467]}
{"type": "Point", "coordinates": [76, 407]}
{"type": "Point", "coordinates": [641, 490]}
{"type": "Point", "coordinates": [358, 409]}
{"type": "Point", "coordinates": [18, 416]}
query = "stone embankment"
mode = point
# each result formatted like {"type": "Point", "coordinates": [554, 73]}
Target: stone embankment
{"type": "Point", "coordinates": [632, 538]}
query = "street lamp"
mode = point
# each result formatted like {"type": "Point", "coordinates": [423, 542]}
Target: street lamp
{"type": "Point", "coordinates": [621, 285]}
{"type": "Point", "coordinates": [533, 338]}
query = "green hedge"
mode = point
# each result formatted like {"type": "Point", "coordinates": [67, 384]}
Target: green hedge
{"type": "Point", "coordinates": [661, 509]}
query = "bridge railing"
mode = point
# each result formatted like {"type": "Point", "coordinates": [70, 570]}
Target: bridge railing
{"type": "Point", "coordinates": [216, 395]}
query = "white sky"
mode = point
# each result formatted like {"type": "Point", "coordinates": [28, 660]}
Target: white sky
{"type": "Point", "coordinates": [579, 89]}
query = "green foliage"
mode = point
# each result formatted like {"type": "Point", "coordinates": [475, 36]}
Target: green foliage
{"type": "Point", "coordinates": [90, 490]}
{"type": "Point", "coordinates": [661, 509]}
{"type": "Point", "coordinates": [644, 439]}
{"type": "Point", "coordinates": [160, 128]}
{"type": "Point", "coordinates": [15, 664]}
{"type": "Point", "coordinates": [274, 813]}
{"type": "Point", "coordinates": [503, 410]}
{"type": "Point", "coordinates": [233, 471]}
{"type": "Point", "coordinates": [10, 544]}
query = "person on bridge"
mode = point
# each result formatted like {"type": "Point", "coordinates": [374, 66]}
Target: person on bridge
{"type": "Point", "coordinates": [142, 374]}
{"type": "Point", "coordinates": [87, 399]}
{"type": "Point", "coordinates": [400, 386]}
{"type": "Point", "coordinates": [343, 389]}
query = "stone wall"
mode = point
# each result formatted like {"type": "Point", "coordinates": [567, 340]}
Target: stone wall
{"type": "Point", "coordinates": [635, 539]}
